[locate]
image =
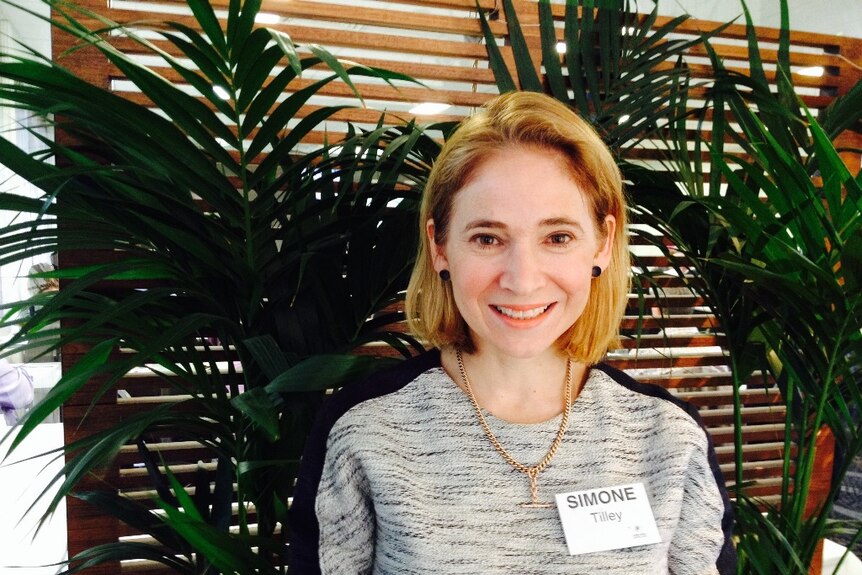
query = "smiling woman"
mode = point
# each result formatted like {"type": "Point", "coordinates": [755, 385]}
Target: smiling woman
{"type": "Point", "coordinates": [520, 254]}
{"type": "Point", "coordinates": [468, 459]}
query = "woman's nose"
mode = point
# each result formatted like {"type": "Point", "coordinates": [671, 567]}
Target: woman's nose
{"type": "Point", "coordinates": [522, 271]}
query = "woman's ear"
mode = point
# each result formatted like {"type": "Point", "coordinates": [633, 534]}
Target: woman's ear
{"type": "Point", "coordinates": [438, 252]}
{"type": "Point", "coordinates": [606, 247]}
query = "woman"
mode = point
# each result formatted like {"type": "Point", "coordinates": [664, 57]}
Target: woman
{"type": "Point", "coordinates": [475, 458]}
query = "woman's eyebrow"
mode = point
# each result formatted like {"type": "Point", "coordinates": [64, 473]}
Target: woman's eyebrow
{"type": "Point", "coordinates": [484, 224]}
{"type": "Point", "coordinates": [546, 223]}
{"type": "Point", "coordinates": [553, 222]}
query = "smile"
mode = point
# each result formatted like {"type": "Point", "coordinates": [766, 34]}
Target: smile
{"type": "Point", "coordinates": [522, 313]}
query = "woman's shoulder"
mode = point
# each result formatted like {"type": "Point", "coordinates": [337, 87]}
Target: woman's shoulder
{"type": "Point", "coordinates": [646, 398]}
{"type": "Point", "coordinates": [377, 388]}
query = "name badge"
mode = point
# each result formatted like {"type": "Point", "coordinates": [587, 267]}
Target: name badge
{"type": "Point", "coordinates": [607, 518]}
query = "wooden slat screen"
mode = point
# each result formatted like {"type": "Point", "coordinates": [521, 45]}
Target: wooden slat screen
{"type": "Point", "coordinates": [679, 345]}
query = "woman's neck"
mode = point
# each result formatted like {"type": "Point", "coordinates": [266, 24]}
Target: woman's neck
{"type": "Point", "coordinates": [518, 390]}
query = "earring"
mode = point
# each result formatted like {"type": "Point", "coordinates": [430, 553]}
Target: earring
{"type": "Point", "coordinates": [597, 271]}
{"type": "Point", "coordinates": [445, 275]}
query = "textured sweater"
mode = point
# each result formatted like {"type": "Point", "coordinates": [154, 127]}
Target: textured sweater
{"type": "Point", "coordinates": [399, 478]}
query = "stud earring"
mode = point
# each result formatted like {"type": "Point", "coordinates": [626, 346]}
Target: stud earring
{"type": "Point", "coordinates": [597, 271]}
{"type": "Point", "coordinates": [445, 275]}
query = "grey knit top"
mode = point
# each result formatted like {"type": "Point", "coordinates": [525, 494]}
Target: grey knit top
{"type": "Point", "coordinates": [399, 478]}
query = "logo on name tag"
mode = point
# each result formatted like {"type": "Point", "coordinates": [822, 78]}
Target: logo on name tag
{"type": "Point", "coordinates": [607, 518]}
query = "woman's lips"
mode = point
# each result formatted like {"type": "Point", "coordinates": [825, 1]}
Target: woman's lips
{"type": "Point", "coordinates": [522, 312]}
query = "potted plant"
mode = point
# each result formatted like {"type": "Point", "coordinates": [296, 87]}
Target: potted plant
{"type": "Point", "coordinates": [236, 272]}
{"type": "Point", "coordinates": [775, 257]}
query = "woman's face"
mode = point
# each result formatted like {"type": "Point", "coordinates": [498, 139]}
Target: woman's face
{"type": "Point", "coordinates": [520, 247]}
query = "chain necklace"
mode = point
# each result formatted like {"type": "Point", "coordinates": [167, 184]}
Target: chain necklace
{"type": "Point", "coordinates": [532, 472]}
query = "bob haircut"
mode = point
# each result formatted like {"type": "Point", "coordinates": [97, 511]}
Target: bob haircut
{"type": "Point", "coordinates": [537, 121]}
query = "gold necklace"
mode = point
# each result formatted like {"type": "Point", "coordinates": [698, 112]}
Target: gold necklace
{"type": "Point", "coordinates": [531, 471]}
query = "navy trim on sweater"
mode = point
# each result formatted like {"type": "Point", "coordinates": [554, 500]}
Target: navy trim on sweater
{"type": "Point", "coordinates": [727, 559]}
{"type": "Point", "coordinates": [304, 528]}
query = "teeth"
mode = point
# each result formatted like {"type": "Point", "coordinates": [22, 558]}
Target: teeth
{"type": "Point", "coordinates": [522, 314]}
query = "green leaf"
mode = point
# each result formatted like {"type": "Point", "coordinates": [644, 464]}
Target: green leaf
{"type": "Point", "coordinates": [574, 59]}
{"type": "Point", "coordinates": [327, 371]}
{"type": "Point", "coordinates": [201, 124]}
{"type": "Point", "coordinates": [851, 262]}
{"type": "Point", "coordinates": [833, 171]}
{"type": "Point", "coordinates": [256, 64]}
{"type": "Point", "coordinates": [288, 48]}
{"type": "Point", "coordinates": [239, 28]}
{"type": "Point", "coordinates": [283, 113]}
{"type": "Point", "coordinates": [550, 56]}
{"type": "Point", "coordinates": [203, 46]}
{"type": "Point", "coordinates": [268, 355]}
{"type": "Point", "coordinates": [527, 75]}
{"type": "Point", "coordinates": [592, 70]}
{"type": "Point", "coordinates": [186, 501]}
{"type": "Point", "coordinates": [205, 16]}
{"type": "Point", "coordinates": [286, 145]}
{"type": "Point", "coordinates": [336, 66]}
{"type": "Point", "coordinates": [135, 269]}
{"type": "Point", "coordinates": [844, 112]}
{"type": "Point", "coordinates": [388, 76]}
{"type": "Point", "coordinates": [127, 551]}
{"type": "Point", "coordinates": [754, 59]}
{"type": "Point", "coordinates": [258, 406]}
{"type": "Point", "coordinates": [504, 80]}
{"type": "Point", "coordinates": [226, 553]}
{"type": "Point", "coordinates": [203, 61]}
{"type": "Point", "coordinates": [133, 514]}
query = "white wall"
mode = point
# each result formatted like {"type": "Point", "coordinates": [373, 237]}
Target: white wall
{"type": "Point", "coordinates": [23, 550]}
{"type": "Point", "coordinates": [28, 28]}
{"type": "Point", "coordinates": [18, 26]}
{"type": "Point", "coordinates": [838, 17]}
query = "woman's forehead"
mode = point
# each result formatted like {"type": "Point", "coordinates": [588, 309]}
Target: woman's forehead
{"type": "Point", "coordinates": [521, 185]}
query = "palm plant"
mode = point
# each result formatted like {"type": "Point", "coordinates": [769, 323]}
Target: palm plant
{"type": "Point", "coordinates": [622, 72]}
{"type": "Point", "coordinates": [773, 256]}
{"type": "Point", "coordinates": [775, 239]}
{"type": "Point", "coordinates": [235, 271]}
{"type": "Point", "coordinates": [781, 267]}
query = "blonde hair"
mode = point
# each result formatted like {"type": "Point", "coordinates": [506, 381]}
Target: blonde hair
{"type": "Point", "coordinates": [540, 122]}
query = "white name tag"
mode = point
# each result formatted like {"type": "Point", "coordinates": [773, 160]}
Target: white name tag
{"type": "Point", "coordinates": [607, 518]}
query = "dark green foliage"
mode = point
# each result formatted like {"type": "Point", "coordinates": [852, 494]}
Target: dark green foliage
{"type": "Point", "coordinates": [620, 70]}
{"type": "Point", "coordinates": [774, 254]}
{"type": "Point", "coordinates": [249, 251]}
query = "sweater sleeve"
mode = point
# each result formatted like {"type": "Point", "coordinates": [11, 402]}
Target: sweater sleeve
{"type": "Point", "coordinates": [345, 515]}
{"type": "Point", "coordinates": [332, 517]}
{"type": "Point", "coordinates": [332, 520]}
{"type": "Point", "coordinates": [702, 543]}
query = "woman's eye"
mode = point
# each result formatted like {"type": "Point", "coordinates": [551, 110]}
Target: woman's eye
{"type": "Point", "coordinates": [485, 240]}
{"type": "Point", "coordinates": [560, 239]}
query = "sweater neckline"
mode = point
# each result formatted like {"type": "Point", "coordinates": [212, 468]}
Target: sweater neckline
{"type": "Point", "coordinates": [460, 401]}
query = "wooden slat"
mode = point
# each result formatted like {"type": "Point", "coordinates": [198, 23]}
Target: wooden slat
{"type": "Point", "coordinates": [356, 15]}
{"type": "Point", "coordinates": [670, 341]}
{"type": "Point", "coordinates": [700, 321]}
{"type": "Point", "coordinates": [748, 397]}
{"type": "Point", "coordinates": [668, 362]}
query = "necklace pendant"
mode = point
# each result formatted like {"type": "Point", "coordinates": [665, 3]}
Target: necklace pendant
{"type": "Point", "coordinates": [536, 505]}
{"type": "Point", "coordinates": [532, 473]}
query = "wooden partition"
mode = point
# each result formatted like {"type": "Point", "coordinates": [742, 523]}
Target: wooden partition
{"type": "Point", "coordinates": [679, 345]}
